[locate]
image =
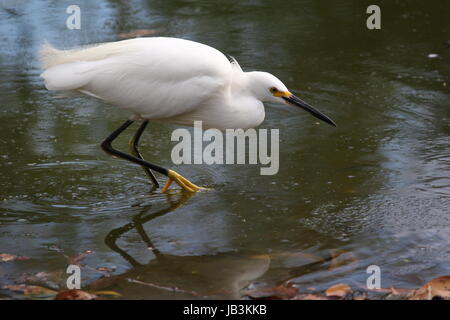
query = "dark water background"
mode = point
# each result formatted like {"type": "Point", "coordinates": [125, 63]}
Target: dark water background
{"type": "Point", "coordinates": [377, 187]}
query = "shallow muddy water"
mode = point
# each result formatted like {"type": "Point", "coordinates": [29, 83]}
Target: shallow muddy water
{"type": "Point", "coordinates": [377, 187]}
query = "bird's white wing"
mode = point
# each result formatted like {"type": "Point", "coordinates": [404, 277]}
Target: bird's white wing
{"type": "Point", "coordinates": [155, 78]}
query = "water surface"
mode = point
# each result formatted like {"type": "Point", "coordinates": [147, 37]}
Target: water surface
{"type": "Point", "coordinates": [378, 186]}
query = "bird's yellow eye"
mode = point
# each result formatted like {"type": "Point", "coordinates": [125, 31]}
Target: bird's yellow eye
{"type": "Point", "coordinates": [273, 90]}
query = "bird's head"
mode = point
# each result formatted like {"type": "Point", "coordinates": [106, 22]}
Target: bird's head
{"type": "Point", "coordinates": [268, 88]}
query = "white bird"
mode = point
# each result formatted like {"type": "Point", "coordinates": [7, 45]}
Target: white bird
{"type": "Point", "coordinates": [167, 80]}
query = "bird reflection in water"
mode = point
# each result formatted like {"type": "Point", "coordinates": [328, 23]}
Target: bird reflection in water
{"type": "Point", "coordinates": [169, 276]}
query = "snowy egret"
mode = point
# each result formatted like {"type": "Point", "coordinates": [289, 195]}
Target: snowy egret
{"type": "Point", "coordinates": [166, 80]}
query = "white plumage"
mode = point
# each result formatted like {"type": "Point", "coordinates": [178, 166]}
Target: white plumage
{"type": "Point", "coordinates": [167, 80]}
{"type": "Point", "coordinates": [161, 79]}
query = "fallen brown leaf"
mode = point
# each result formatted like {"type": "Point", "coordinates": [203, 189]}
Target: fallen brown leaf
{"type": "Point", "coordinates": [75, 295]}
{"type": "Point", "coordinates": [340, 290]}
{"type": "Point", "coordinates": [435, 288]}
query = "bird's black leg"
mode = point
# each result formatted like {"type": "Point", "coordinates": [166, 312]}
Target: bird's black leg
{"type": "Point", "coordinates": [133, 145]}
{"type": "Point", "coordinates": [107, 147]}
{"type": "Point", "coordinates": [170, 174]}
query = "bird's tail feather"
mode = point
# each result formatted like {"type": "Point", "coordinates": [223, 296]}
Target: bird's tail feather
{"type": "Point", "coordinates": [50, 56]}
{"type": "Point", "coordinates": [64, 70]}
{"type": "Point", "coordinates": [68, 70]}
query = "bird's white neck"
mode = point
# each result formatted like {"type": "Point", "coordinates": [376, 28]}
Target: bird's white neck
{"type": "Point", "coordinates": [246, 110]}
{"type": "Point", "coordinates": [236, 108]}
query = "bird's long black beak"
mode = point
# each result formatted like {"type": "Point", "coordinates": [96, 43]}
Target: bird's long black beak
{"type": "Point", "coordinates": [292, 99]}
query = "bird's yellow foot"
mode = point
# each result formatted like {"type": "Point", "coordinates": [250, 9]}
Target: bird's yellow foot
{"type": "Point", "coordinates": [181, 181]}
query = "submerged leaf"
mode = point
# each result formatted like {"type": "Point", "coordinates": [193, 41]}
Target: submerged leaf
{"type": "Point", "coordinates": [400, 293]}
{"type": "Point", "coordinates": [44, 279]}
{"type": "Point", "coordinates": [106, 269]}
{"type": "Point", "coordinates": [78, 259]}
{"type": "Point", "coordinates": [30, 290]}
{"type": "Point", "coordinates": [297, 258]}
{"type": "Point", "coordinates": [75, 295]}
{"type": "Point", "coordinates": [5, 257]}
{"type": "Point", "coordinates": [279, 292]}
{"type": "Point", "coordinates": [34, 277]}
{"type": "Point", "coordinates": [341, 258]}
